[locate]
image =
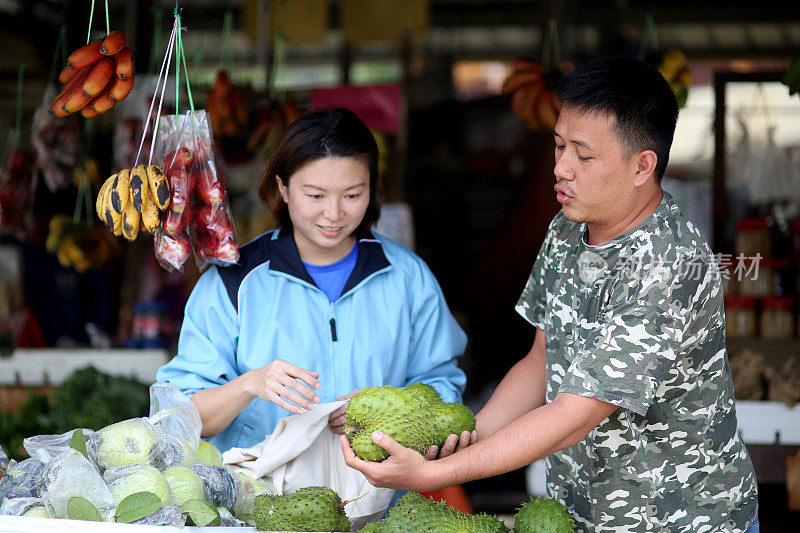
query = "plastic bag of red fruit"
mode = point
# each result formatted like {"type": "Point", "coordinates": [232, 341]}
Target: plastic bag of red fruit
{"type": "Point", "coordinates": [199, 217]}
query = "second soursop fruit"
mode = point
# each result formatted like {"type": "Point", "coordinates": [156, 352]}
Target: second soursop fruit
{"type": "Point", "coordinates": [414, 513]}
{"type": "Point", "coordinates": [543, 515]}
{"type": "Point", "coordinates": [306, 509]}
{"type": "Point", "coordinates": [415, 416]}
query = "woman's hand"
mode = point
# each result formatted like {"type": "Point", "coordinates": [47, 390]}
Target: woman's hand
{"type": "Point", "coordinates": [453, 444]}
{"type": "Point", "coordinates": [336, 420]}
{"type": "Point", "coordinates": [280, 382]}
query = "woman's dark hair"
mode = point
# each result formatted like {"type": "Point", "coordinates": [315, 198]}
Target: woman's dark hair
{"type": "Point", "coordinates": [636, 94]}
{"type": "Point", "coordinates": [335, 132]}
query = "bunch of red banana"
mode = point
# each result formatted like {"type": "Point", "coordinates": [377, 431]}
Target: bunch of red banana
{"type": "Point", "coordinates": [534, 95]}
{"type": "Point", "coordinates": [225, 107]}
{"type": "Point", "coordinates": [97, 76]}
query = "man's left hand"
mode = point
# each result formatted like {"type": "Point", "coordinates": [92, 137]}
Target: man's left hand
{"type": "Point", "coordinates": [404, 469]}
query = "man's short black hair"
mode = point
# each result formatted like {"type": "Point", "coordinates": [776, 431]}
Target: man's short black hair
{"type": "Point", "coordinates": [636, 94]}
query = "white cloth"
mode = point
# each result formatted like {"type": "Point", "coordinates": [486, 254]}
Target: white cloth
{"type": "Point", "coordinates": [302, 452]}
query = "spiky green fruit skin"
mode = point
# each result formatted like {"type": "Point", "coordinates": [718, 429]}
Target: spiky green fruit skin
{"type": "Point", "coordinates": [414, 513]}
{"type": "Point", "coordinates": [306, 509]}
{"type": "Point", "coordinates": [543, 515]}
{"type": "Point", "coordinates": [415, 416]}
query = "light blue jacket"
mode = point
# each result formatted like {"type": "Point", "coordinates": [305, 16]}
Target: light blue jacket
{"type": "Point", "coordinates": [391, 326]}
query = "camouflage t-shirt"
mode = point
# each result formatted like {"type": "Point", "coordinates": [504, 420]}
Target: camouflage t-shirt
{"type": "Point", "coordinates": [638, 322]}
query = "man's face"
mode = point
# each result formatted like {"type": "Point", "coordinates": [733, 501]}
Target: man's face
{"type": "Point", "coordinates": [594, 179]}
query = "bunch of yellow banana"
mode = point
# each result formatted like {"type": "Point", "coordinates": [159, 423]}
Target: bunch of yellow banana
{"type": "Point", "coordinates": [132, 200]}
{"type": "Point", "coordinates": [97, 76]}
{"type": "Point", "coordinates": [76, 246]}
{"type": "Point", "coordinates": [675, 69]}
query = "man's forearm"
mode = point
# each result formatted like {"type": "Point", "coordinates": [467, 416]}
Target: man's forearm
{"type": "Point", "coordinates": [218, 406]}
{"type": "Point", "coordinates": [545, 430]}
{"type": "Point", "coordinates": [531, 437]}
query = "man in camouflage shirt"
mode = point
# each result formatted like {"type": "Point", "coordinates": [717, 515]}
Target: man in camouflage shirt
{"type": "Point", "coordinates": [627, 390]}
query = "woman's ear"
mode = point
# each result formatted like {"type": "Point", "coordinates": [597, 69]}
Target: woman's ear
{"type": "Point", "coordinates": [282, 189]}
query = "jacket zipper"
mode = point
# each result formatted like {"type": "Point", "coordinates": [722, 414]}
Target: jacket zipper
{"type": "Point", "coordinates": [333, 323]}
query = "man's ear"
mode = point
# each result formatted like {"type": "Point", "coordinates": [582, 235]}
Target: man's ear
{"type": "Point", "coordinates": [647, 160]}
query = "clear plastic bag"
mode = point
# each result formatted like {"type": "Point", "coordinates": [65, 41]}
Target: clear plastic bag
{"type": "Point", "coordinates": [70, 475]}
{"type": "Point", "coordinates": [221, 488]}
{"type": "Point", "coordinates": [185, 484]}
{"type": "Point", "coordinates": [180, 420]}
{"type": "Point", "coordinates": [19, 506]}
{"type": "Point", "coordinates": [49, 447]}
{"type": "Point", "coordinates": [125, 480]}
{"type": "Point", "coordinates": [22, 480]}
{"type": "Point", "coordinates": [133, 441]}
{"type": "Point", "coordinates": [228, 520]}
{"type": "Point", "coordinates": [250, 489]}
{"type": "Point", "coordinates": [199, 213]}
{"type": "Point", "coordinates": [3, 462]}
{"type": "Point", "coordinates": [167, 515]}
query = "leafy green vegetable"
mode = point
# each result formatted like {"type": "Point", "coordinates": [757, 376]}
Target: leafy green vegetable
{"type": "Point", "coordinates": [87, 399]}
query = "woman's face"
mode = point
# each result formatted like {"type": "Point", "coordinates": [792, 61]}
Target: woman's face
{"type": "Point", "coordinates": [326, 199]}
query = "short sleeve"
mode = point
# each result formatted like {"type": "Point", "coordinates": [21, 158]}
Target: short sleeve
{"type": "Point", "coordinates": [207, 342]}
{"type": "Point", "coordinates": [629, 351]}
{"type": "Point", "coordinates": [531, 303]}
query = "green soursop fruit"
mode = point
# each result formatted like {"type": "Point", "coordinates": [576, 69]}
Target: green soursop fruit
{"type": "Point", "coordinates": [414, 512]}
{"type": "Point", "coordinates": [543, 515]}
{"type": "Point", "coordinates": [415, 416]}
{"type": "Point", "coordinates": [306, 509]}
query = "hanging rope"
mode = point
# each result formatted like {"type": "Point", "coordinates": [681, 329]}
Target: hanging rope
{"type": "Point", "coordinates": [551, 43]}
{"type": "Point", "coordinates": [108, 26]}
{"type": "Point", "coordinates": [61, 44]}
{"type": "Point", "coordinates": [278, 56]}
{"type": "Point", "coordinates": [649, 37]}
{"type": "Point", "coordinates": [162, 82]}
{"type": "Point", "coordinates": [226, 57]}
{"type": "Point", "coordinates": [18, 124]}
{"type": "Point", "coordinates": [91, 16]}
{"type": "Point", "coordinates": [155, 46]}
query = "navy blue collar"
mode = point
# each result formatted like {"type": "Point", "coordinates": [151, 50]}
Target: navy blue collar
{"type": "Point", "coordinates": [285, 258]}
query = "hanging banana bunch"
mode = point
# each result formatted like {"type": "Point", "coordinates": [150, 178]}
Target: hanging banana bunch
{"type": "Point", "coordinates": [675, 70]}
{"type": "Point", "coordinates": [533, 93]}
{"type": "Point", "coordinates": [533, 83]}
{"type": "Point", "coordinates": [792, 77]}
{"type": "Point", "coordinates": [131, 201]}
{"type": "Point", "coordinates": [97, 76]}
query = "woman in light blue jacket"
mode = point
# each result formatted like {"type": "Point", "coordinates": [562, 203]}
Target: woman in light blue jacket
{"type": "Point", "coordinates": [319, 308]}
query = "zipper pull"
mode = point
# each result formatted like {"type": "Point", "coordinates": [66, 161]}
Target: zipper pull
{"type": "Point", "coordinates": [333, 329]}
